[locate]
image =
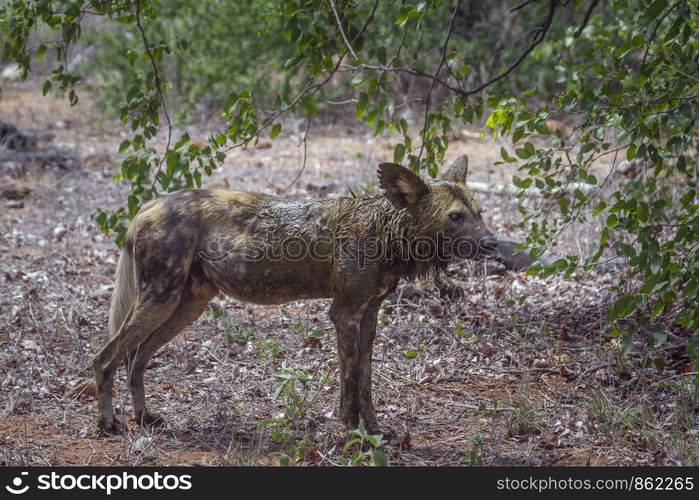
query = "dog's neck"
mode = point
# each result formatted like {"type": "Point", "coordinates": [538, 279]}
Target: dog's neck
{"type": "Point", "coordinates": [373, 216]}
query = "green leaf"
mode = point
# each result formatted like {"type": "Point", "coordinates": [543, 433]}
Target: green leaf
{"type": "Point", "coordinates": [41, 52]}
{"type": "Point", "coordinates": [381, 55]}
{"type": "Point", "coordinates": [361, 105]}
{"type": "Point", "coordinates": [626, 344]}
{"type": "Point", "coordinates": [523, 153]}
{"type": "Point", "coordinates": [380, 459]}
{"type": "Point", "coordinates": [375, 439]}
{"type": "Point", "coordinates": [183, 140]}
{"type": "Point", "coordinates": [658, 309]}
{"type": "Point", "coordinates": [275, 130]}
{"type": "Point", "coordinates": [124, 146]}
{"type": "Point", "coordinates": [351, 443]}
{"type": "Point", "coordinates": [530, 149]}
{"type": "Point", "coordinates": [623, 307]}
{"type": "Point", "coordinates": [588, 147]}
{"type": "Point", "coordinates": [46, 87]}
{"type": "Point", "coordinates": [399, 153]}
{"type": "Point", "coordinates": [410, 354]}
{"type": "Point", "coordinates": [293, 61]}
{"type": "Point", "coordinates": [659, 365]}
{"type": "Point", "coordinates": [598, 210]}
{"type": "Point", "coordinates": [99, 216]}
{"type": "Point", "coordinates": [522, 183]}
{"type": "Point", "coordinates": [402, 18]}
{"type": "Point", "coordinates": [657, 338]}
{"type": "Point", "coordinates": [505, 156]}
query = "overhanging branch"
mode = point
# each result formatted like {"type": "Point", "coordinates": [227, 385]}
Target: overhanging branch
{"type": "Point", "coordinates": [539, 37]}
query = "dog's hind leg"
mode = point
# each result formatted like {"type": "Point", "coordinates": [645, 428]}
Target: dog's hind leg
{"type": "Point", "coordinates": [192, 304]}
{"type": "Point", "coordinates": [161, 269]}
{"type": "Point", "coordinates": [144, 317]}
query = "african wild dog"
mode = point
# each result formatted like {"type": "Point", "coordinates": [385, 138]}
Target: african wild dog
{"type": "Point", "coordinates": [182, 249]}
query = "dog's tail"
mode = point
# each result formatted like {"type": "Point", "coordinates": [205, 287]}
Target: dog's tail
{"type": "Point", "coordinates": [124, 290]}
{"type": "Point", "coordinates": [122, 299]}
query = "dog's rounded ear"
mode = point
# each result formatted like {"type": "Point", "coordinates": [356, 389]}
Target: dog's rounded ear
{"type": "Point", "coordinates": [457, 171]}
{"type": "Point", "coordinates": [403, 188]}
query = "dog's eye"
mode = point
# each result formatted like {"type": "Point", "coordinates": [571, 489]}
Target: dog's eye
{"type": "Point", "coordinates": [456, 216]}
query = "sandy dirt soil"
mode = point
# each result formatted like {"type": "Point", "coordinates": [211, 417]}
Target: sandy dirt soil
{"type": "Point", "coordinates": [518, 372]}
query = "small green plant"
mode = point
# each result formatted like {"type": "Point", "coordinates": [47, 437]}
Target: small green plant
{"type": "Point", "coordinates": [614, 419]}
{"type": "Point", "coordinates": [617, 352]}
{"type": "Point", "coordinates": [267, 350]}
{"type": "Point", "coordinates": [293, 390]}
{"type": "Point", "coordinates": [412, 353]}
{"type": "Point", "coordinates": [486, 412]}
{"type": "Point", "coordinates": [214, 313]}
{"type": "Point", "coordinates": [319, 333]}
{"type": "Point", "coordinates": [297, 390]}
{"type": "Point", "coordinates": [383, 317]}
{"type": "Point", "coordinates": [474, 455]}
{"type": "Point", "coordinates": [239, 334]}
{"type": "Point", "coordinates": [462, 335]}
{"type": "Point", "coordinates": [373, 456]}
{"type": "Point", "coordinates": [527, 418]}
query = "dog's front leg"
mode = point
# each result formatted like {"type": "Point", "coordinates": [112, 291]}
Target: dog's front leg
{"type": "Point", "coordinates": [366, 344]}
{"type": "Point", "coordinates": [347, 318]}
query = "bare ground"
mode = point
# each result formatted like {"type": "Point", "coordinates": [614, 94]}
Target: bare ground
{"type": "Point", "coordinates": [521, 371]}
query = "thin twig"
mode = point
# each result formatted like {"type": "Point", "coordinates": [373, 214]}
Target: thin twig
{"type": "Point", "coordinates": [308, 90]}
{"type": "Point", "coordinates": [588, 13]}
{"type": "Point", "coordinates": [521, 5]}
{"type": "Point", "coordinates": [538, 38]}
{"type": "Point", "coordinates": [443, 60]}
{"type": "Point", "coordinates": [541, 33]}
{"type": "Point", "coordinates": [342, 31]}
{"type": "Point", "coordinates": [655, 31]}
{"type": "Point", "coordinates": [158, 87]}
{"type": "Point", "coordinates": [402, 69]}
{"type": "Point", "coordinates": [305, 153]}
{"type": "Point", "coordinates": [368, 21]}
